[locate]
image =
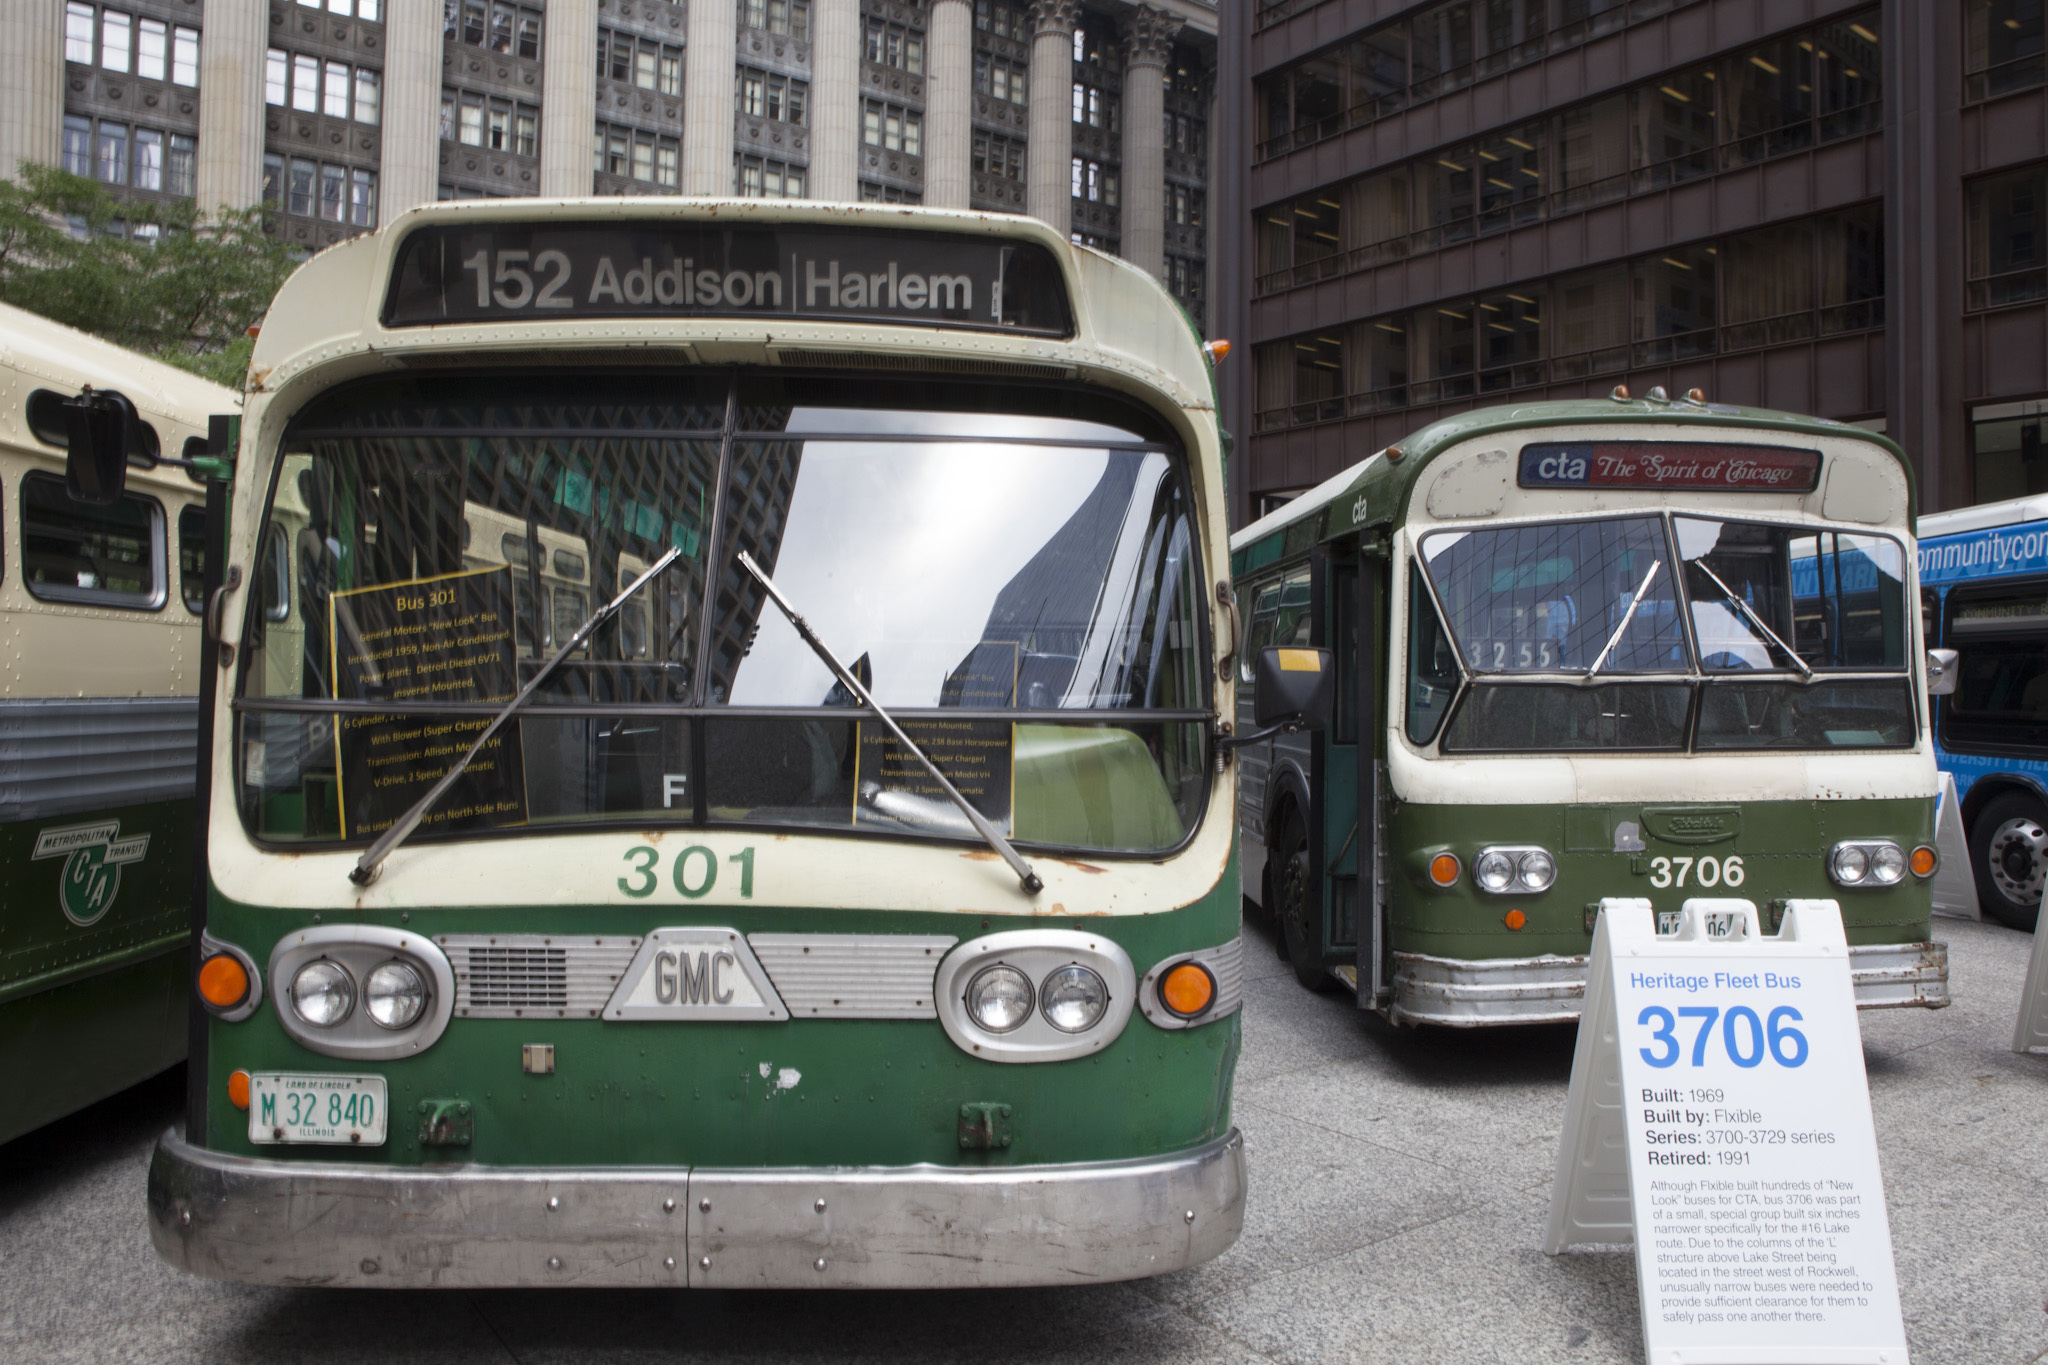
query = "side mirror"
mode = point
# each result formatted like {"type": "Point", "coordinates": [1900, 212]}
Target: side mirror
{"type": "Point", "coordinates": [103, 430]}
{"type": "Point", "coordinates": [1942, 676]}
{"type": "Point", "coordinates": [1295, 687]}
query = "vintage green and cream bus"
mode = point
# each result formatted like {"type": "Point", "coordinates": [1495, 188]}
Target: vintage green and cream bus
{"type": "Point", "coordinates": [741, 801]}
{"type": "Point", "coordinates": [1615, 647]}
{"type": "Point", "coordinates": [100, 607]}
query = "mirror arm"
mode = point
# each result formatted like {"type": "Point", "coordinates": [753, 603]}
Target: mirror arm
{"type": "Point", "coordinates": [1226, 741]}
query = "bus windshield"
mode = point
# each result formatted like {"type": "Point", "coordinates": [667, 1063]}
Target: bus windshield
{"type": "Point", "coordinates": [1778, 616]}
{"type": "Point", "coordinates": [1014, 575]}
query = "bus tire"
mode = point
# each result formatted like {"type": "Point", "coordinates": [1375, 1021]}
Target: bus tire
{"type": "Point", "coordinates": [2009, 857]}
{"type": "Point", "coordinates": [1297, 916]}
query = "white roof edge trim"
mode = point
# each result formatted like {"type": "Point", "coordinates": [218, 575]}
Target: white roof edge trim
{"type": "Point", "coordinates": [1317, 498]}
{"type": "Point", "coordinates": [1983, 516]}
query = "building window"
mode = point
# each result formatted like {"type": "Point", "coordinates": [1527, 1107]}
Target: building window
{"type": "Point", "coordinates": [484, 121]}
{"type": "Point", "coordinates": [1095, 107]}
{"type": "Point", "coordinates": [765, 178]}
{"type": "Point", "coordinates": [114, 38]}
{"type": "Point", "coordinates": [1001, 80]}
{"type": "Point", "coordinates": [637, 154]}
{"type": "Point", "coordinates": [998, 156]}
{"type": "Point", "coordinates": [764, 94]}
{"type": "Point", "coordinates": [2002, 46]}
{"type": "Point", "coordinates": [1184, 206]}
{"type": "Point", "coordinates": [873, 193]}
{"type": "Point", "coordinates": [333, 193]}
{"type": "Point", "coordinates": [111, 164]}
{"type": "Point", "coordinates": [181, 167]}
{"type": "Point", "coordinates": [78, 26]}
{"type": "Point", "coordinates": [369, 96]}
{"type": "Point", "coordinates": [1003, 21]}
{"type": "Point", "coordinates": [77, 145]}
{"type": "Point", "coordinates": [299, 183]}
{"type": "Point", "coordinates": [646, 63]}
{"type": "Point", "coordinates": [336, 88]}
{"type": "Point", "coordinates": [785, 18]}
{"type": "Point", "coordinates": [306, 84]}
{"type": "Point", "coordinates": [184, 56]}
{"type": "Point", "coordinates": [1093, 183]}
{"type": "Point", "coordinates": [363, 198]}
{"type": "Point", "coordinates": [273, 181]}
{"type": "Point", "coordinates": [149, 159]}
{"type": "Point", "coordinates": [276, 77]}
{"type": "Point", "coordinates": [513, 30]}
{"type": "Point", "coordinates": [2007, 252]}
{"type": "Point", "coordinates": [892, 127]}
{"type": "Point", "coordinates": [152, 48]}
{"type": "Point", "coordinates": [895, 45]}
{"type": "Point", "coordinates": [1184, 135]}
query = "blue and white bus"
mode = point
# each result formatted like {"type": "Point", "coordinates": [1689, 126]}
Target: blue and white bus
{"type": "Point", "coordinates": [1984, 594]}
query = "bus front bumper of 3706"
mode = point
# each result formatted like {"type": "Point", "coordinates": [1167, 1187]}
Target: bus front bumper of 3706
{"type": "Point", "coordinates": [781, 1152]}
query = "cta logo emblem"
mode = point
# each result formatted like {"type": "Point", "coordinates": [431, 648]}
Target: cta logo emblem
{"type": "Point", "coordinates": [93, 858]}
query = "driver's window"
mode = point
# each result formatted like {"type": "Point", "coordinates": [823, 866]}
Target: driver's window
{"type": "Point", "coordinates": [1265, 608]}
{"type": "Point", "coordinates": [1432, 664]}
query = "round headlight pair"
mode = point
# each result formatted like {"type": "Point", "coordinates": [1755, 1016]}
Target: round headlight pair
{"type": "Point", "coordinates": [1073, 998]}
{"type": "Point", "coordinates": [324, 994]}
{"type": "Point", "coordinates": [1502, 870]}
{"type": "Point", "coordinates": [1875, 863]}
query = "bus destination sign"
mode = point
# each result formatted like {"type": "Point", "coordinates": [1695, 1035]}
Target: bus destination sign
{"type": "Point", "coordinates": [1713, 465]}
{"type": "Point", "coordinates": [511, 271]}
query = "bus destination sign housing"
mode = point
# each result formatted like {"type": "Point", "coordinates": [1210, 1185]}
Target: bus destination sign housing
{"type": "Point", "coordinates": [509, 271]}
{"type": "Point", "coordinates": [1718, 466]}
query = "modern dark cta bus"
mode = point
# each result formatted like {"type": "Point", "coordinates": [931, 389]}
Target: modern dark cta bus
{"type": "Point", "coordinates": [1605, 648]}
{"type": "Point", "coordinates": [742, 804]}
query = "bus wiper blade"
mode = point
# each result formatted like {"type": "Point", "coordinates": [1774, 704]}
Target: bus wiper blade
{"type": "Point", "coordinates": [1029, 879]}
{"type": "Point", "coordinates": [1600, 660]}
{"type": "Point", "coordinates": [372, 861]}
{"type": "Point", "coordinates": [1749, 614]}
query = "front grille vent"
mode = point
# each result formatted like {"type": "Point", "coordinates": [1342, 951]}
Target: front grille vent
{"type": "Point", "coordinates": [535, 976]}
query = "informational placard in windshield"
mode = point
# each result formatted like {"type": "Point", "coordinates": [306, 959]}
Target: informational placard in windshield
{"type": "Point", "coordinates": [1717, 465]}
{"type": "Point", "coordinates": [445, 639]}
{"type": "Point", "coordinates": [509, 271]}
{"type": "Point", "coordinates": [1720, 1116]}
{"type": "Point", "coordinates": [892, 789]}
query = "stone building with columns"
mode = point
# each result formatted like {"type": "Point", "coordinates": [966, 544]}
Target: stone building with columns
{"type": "Point", "coordinates": [340, 114]}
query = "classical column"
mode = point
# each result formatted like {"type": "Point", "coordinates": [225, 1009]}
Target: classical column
{"type": "Point", "coordinates": [835, 99]}
{"type": "Point", "coordinates": [231, 54]}
{"type": "Point", "coordinates": [949, 106]}
{"type": "Point", "coordinates": [707, 98]}
{"type": "Point", "coordinates": [410, 174]}
{"type": "Point", "coordinates": [1148, 43]}
{"type": "Point", "coordinates": [1048, 182]}
{"type": "Point", "coordinates": [568, 107]}
{"type": "Point", "coordinates": [31, 85]}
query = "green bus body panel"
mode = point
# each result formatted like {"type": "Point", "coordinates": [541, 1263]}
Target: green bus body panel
{"type": "Point", "coordinates": [1387, 487]}
{"type": "Point", "coordinates": [89, 1010]}
{"type": "Point", "coordinates": [881, 1092]}
{"type": "Point", "coordinates": [1782, 845]}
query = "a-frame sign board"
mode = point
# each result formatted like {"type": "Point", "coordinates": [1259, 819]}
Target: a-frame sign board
{"type": "Point", "coordinates": [1719, 1119]}
{"type": "Point", "coordinates": [2031, 1034]}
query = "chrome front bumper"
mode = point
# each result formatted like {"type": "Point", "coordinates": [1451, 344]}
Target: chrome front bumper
{"type": "Point", "coordinates": [1550, 989]}
{"type": "Point", "coordinates": [904, 1227]}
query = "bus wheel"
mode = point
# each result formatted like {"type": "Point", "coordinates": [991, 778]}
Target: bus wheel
{"type": "Point", "coordinates": [2009, 855]}
{"type": "Point", "coordinates": [1293, 905]}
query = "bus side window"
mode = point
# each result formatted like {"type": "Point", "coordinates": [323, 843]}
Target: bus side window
{"type": "Point", "coordinates": [1432, 666]}
{"type": "Point", "coordinates": [1930, 617]}
{"type": "Point", "coordinates": [1264, 608]}
{"type": "Point", "coordinates": [1295, 623]}
{"type": "Point", "coordinates": [192, 557]}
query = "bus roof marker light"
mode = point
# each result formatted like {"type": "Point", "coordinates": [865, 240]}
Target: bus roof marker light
{"type": "Point", "coordinates": [1619, 393]}
{"type": "Point", "coordinates": [1026, 876]}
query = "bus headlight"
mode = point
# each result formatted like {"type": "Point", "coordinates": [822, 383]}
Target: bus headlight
{"type": "Point", "coordinates": [1494, 870]}
{"type": "Point", "coordinates": [1073, 999]}
{"type": "Point", "coordinates": [999, 998]}
{"type": "Point", "coordinates": [323, 993]}
{"type": "Point", "coordinates": [394, 995]}
{"type": "Point", "coordinates": [1867, 862]}
{"type": "Point", "coordinates": [1499, 871]}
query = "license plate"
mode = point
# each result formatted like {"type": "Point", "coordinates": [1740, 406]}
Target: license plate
{"type": "Point", "coordinates": [340, 1111]}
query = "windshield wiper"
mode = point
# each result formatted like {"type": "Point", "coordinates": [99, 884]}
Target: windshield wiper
{"type": "Point", "coordinates": [366, 868]}
{"type": "Point", "coordinates": [1749, 614]}
{"type": "Point", "coordinates": [1600, 659]}
{"type": "Point", "coordinates": [1028, 878]}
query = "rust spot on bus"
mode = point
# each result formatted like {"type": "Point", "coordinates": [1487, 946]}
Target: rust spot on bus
{"type": "Point", "coordinates": [1090, 868]}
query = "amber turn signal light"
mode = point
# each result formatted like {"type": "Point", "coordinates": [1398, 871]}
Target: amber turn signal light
{"type": "Point", "coordinates": [1444, 869]}
{"type": "Point", "coordinates": [238, 1089]}
{"type": "Point", "coordinates": [1924, 861]}
{"type": "Point", "coordinates": [223, 982]}
{"type": "Point", "coordinates": [1187, 990]}
{"type": "Point", "coordinates": [1514, 919]}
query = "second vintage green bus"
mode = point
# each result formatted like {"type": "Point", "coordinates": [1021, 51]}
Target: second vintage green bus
{"type": "Point", "coordinates": [1613, 647]}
